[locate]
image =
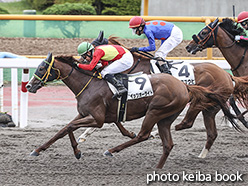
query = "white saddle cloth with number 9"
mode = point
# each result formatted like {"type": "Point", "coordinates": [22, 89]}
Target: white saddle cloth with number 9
{"type": "Point", "coordinates": [139, 86]}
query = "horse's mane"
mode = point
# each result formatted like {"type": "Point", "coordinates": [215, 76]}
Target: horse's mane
{"type": "Point", "coordinates": [67, 59]}
{"type": "Point", "coordinates": [114, 41]}
{"type": "Point", "coordinates": [230, 26]}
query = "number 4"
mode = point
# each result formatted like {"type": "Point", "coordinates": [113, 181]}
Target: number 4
{"type": "Point", "coordinates": [184, 71]}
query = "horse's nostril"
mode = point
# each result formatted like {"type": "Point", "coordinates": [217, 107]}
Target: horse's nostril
{"type": "Point", "coordinates": [28, 86]}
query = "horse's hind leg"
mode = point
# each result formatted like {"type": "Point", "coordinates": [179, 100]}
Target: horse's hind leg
{"type": "Point", "coordinates": [146, 128]}
{"type": "Point", "coordinates": [86, 133]}
{"type": "Point", "coordinates": [188, 119]}
{"type": "Point", "coordinates": [165, 135]}
{"type": "Point", "coordinates": [122, 129]}
{"type": "Point", "coordinates": [210, 125]}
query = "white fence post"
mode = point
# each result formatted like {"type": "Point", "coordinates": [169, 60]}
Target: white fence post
{"type": "Point", "coordinates": [1, 90]}
{"type": "Point", "coordinates": [24, 99]}
{"type": "Point", "coordinates": [14, 95]}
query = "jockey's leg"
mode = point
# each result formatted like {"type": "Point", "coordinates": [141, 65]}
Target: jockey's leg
{"type": "Point", "coordinates": [116, 83]}
{"type": "Point", "coordinates": [168, 45]}
{"type": "Point", "coordinates": [116, 67]}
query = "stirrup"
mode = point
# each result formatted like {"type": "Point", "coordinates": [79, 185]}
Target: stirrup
{"type": "Point", "coordinates": [119, 93]}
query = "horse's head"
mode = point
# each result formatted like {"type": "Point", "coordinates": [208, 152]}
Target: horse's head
{"type": "Point", "coordinates": [44, 73]}
{"type": "Point", "coordinates": [204, 39]}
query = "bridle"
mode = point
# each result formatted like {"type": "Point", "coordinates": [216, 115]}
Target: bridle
{"type": "Point", "coordinates": [211, 35]}
{"type": "Point", "coordinates": [50, 73]}
{"type": "Point", "coordinates": [201, 41]}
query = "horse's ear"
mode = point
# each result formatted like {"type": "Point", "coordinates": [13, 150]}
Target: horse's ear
{"type": "Point", "coordinates": [49, 57]}
{"type": "Point", "coordinates": [215, 22]}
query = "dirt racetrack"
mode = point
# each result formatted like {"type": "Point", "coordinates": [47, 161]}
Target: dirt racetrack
{"type": "Point", "coordinates": [54, 106]}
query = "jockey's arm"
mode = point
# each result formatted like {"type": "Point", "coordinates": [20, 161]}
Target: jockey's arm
{"type": "Point", "coordinates": [152, 44]}
{"type": "Point", "coordinates": [92, 64]}
{"type": "Point", "coordinates": [241, 38]}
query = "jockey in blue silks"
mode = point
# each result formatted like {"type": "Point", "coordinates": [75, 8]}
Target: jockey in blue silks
{"type": "Point", "coordinates": [169, 34]}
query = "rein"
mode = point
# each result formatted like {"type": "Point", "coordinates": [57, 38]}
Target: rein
{"type": "Point", "coordinates": [86, 85]}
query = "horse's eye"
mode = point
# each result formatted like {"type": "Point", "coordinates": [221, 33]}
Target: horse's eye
{"type": "Point", "coordinates": [204, 33]}
{"type": "Point", "coordinates": [41, 68]}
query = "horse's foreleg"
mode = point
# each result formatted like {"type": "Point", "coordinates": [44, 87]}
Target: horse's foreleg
{"type": "Point", "coordinates": [237, 111]}
{"type": "Point", "coordinates": [88, 121]}
{"type": "Point", "coordinates": [46, 145]}
{"type": "Point", "coordinates": [188, 119]}
{"type": "Point", "coordinates": [210, 125]}
{"type": "Point", "coordinates": [59, 135]}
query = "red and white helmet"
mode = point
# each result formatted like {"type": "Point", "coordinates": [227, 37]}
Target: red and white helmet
{"type": "Point", "coordinates": [136, 21]}
{"type": "Point", "coordinates": [242, 16]}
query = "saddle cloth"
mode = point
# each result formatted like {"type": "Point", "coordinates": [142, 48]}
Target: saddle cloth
{"type": "Point", "coordinates": [138, 86]}
{"type": "Point", "coordinates": [182, 71]}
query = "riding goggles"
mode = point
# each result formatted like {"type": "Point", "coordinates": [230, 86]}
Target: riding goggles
{"type": "Point", "coordinates": [135, 30]}
{"type": "Point", "coordinates": [244, 23]}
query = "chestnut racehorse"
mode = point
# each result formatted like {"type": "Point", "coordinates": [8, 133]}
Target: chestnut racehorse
{"type": "Point", "coordinates": [207, 75]}
{"type": "Point", "coordinates": [96, 106]}
{"type": "Point", "coordinates": [221, 35]}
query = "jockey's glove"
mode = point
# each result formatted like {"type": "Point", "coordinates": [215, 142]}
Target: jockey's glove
{"type": "Point", "coordinates": [76, 64]}
{"type": "Point", "coordinates": [134, 49]}
{"type": "Point", "coordinates": [237, 38]}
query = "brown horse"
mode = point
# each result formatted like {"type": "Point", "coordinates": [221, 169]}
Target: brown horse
{"type": "Point", "coordinates": [222, 35]}
{"type": "Point", "coordinates": [96, 106]}
{"type": "Point", "coordinates": [207, 75]}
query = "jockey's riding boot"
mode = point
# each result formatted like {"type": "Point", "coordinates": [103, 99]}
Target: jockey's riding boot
{"type": "Point", "coordinates": [163, 68]}
{"type": "Point", "coordinates": [116, 83]}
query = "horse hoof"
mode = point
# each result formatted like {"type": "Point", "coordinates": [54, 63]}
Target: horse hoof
{"type": "Point", "coordinates": [78, 155]}
{"type": "Point", "coordinates": [107, 153]}
{"type": "Point", "coordinates": [34, 153]}
{"type": "Point", "coordinates": [81, 140]}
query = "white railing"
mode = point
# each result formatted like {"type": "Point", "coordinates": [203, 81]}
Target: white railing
{"type": "Point", "coordinates": [14, 64]}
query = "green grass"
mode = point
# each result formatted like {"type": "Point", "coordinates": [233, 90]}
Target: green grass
{"type": "Point", "coordinates": [17, 7]}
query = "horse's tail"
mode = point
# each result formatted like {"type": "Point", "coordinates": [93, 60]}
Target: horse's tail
{"type": "Point", "coordinates": [202, 98]}
{"type": "Point", "coordinates": [241, 90]}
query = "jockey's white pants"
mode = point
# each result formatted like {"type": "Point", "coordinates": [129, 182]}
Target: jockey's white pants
{"type": "Point", "coordinates": [119, 65]}
{"type": "Point", "coordinates": [170, 43]}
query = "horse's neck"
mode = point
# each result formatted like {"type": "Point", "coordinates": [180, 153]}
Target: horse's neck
{"type": "Point", "coordinates": [232, 53]}
{"type": "Point", "coordinates": [74, 80]}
